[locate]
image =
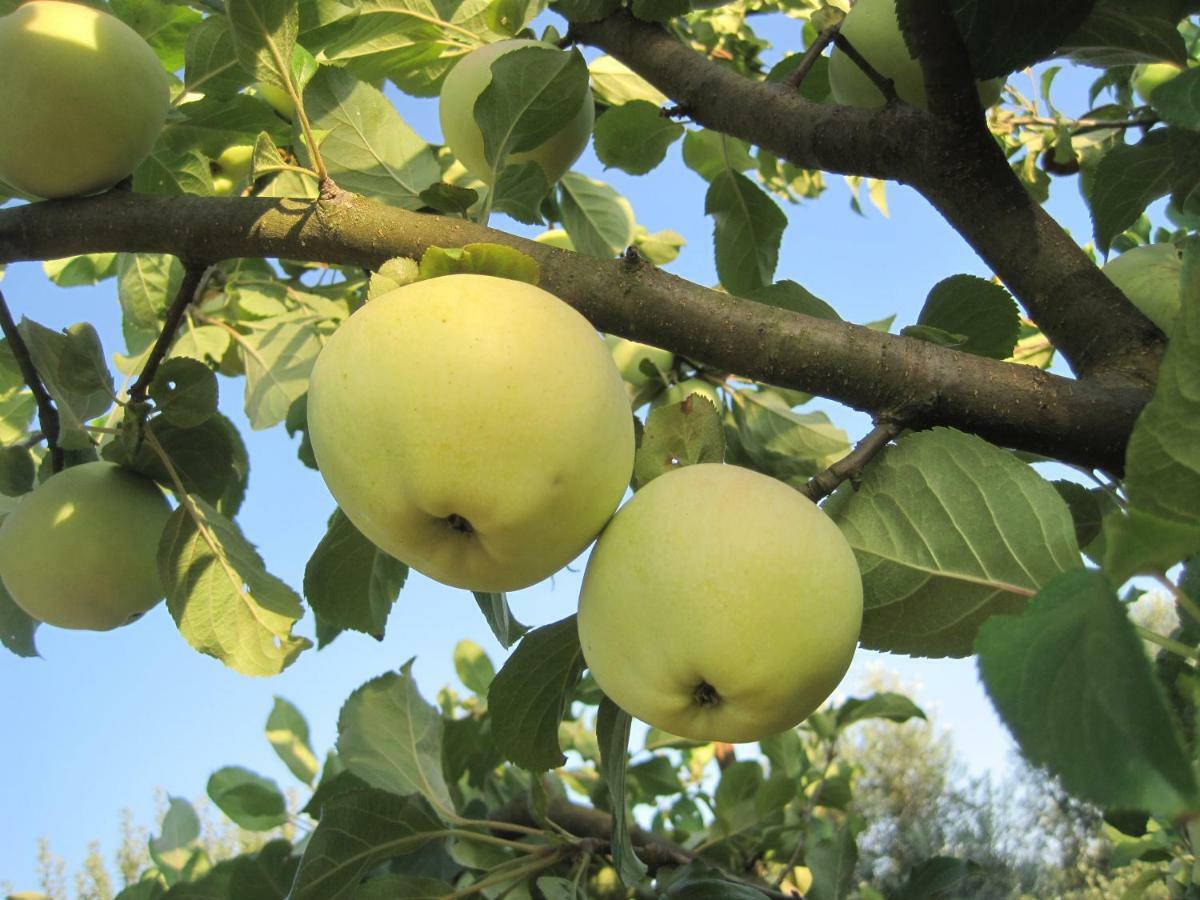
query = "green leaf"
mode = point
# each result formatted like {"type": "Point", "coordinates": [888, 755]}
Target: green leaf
{"type": "Point", "coordinates": [982, 311]}
{"type": "Point", "coordinates": [351, 583]}
{"type": "Point", "coordinates": [71, 365]}
{"type": "Point", "coordinates": [1072, 667]}
{"type": "Point", "coordinates": [1003, 36]}
{"type": "Point", "coordinates": [612, 734]}
{"type": "Point", "coordinates": [392, 739]}
{"type": "Point", "coordinates": [495, 609]}
{"type": "Point", "coordinates": [933, 335]}
{"type": "Point", "coordinates": [264, 34]}
{"type": "Point", "coordinates": [598, 220]}
{"type": "Point", "coordinates": [173, 172]}
{"type": "Point", "coordinates": [357, 831]}
{"type": "Point", "coordinates": [210, 62]}
{"type": "Point", "coordinates": [893, 707]}
{"type": "Point", "coordinates": [519, 192]}
{"type": "Point", "coordinates": [1127, 180]}
{"type": "Point", "coordinates": [534, 91]}
{"type": "Point", "coordinates": [473, 667]}
{"type": "Point", "coordinates": [410, 887]}
{"type": "Point", "coordinates": [711, 889]}
{"type": "Point", "coordinates": [480, 259]}
{"type": "Point", "coordinates": [146, 285]}
{"type": "Point", "coordinates": [368, 148]}
{"type": "Point", "coordinates": [165, 27]}
{"type": "Point", "coordinates": [748, 229]}
{"type": "Point", "coordinates": [634, 137]}
{"type": "Point", "coordinates": [16, 471]}
{"type": "Point", "coordinates": [949, 530]}
{"type": "Point", "coordinates": [831, 859]}
{"type": "Point", "coordinates": [1141, 543]}
{"type": "Point", "coordinates": [173, 848]}
{"type": "Point", "coordinates": [773, 439]}
{"type": "Point", "coordinates": [185, 392]}
{"type": "Point", "coordinates": [679, 434]}
{"type": "Point", "coordinates": [203, 457]}
{"type": "Point", "coordinates": [287, 732]}
{"type": "Point", "coordinates": [613, 82]}
{"type": "Point", "coordinates": [791, 296]}
{"type": "Point", "coordinates": [251, 801]}
{"type": "Point", "coordinates": [710, 153]}
{"type": "Point", "coordinates": [1088, 508]}
{"type": "Point", "coordinates": [532, 692]}
{"type": "Point", "coordinates": [265, 875]}
{"type": "Point", "coordinates": [940, 876]}
{"type": "Point", "coordinates": [81, 271]}
{"type": "Point", "coordinates": [659, 10]}
{"type": "Point", "coordinates": [1178, 101]}
{"type": "Point", "coordinates": [206, 343]}
{"type": "Point", "coordinates": [395, 273]}
{"type": "Point", "coordinates": [278, 361]}
{"type": "Point", "coordinates": [449, 198]}
{"type": "Point", "coordinates": [17, 627]}
{"type": "Point", "coordinates": [222, 598]}
{"type": "Point", "coordinates": [1162, 461]}
{"type": "Point", "coordinates": [585, 10]}
{"type": "Point", "coordinates": [1124, 33]}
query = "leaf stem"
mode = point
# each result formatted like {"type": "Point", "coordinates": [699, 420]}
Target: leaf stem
{"type": "Point", "coordinates": [194, 278]}
{"type": "Point", "coordinates": [507, 875]}
{"type": "Point", "coordinates": [47, 414]}
{"type": "Point", "coordinates": [1166, 643]}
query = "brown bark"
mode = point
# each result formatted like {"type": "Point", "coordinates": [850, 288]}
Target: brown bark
{"type": "Point", "coordinates": [1083, 422]}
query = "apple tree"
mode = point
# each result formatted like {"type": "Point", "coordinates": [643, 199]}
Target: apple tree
{"type": "Point", "coordinates": [284, 156]}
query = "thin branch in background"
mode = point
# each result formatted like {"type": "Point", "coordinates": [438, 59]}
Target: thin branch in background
{"type": "Point", "coordinates": [851, 465]}
{"type": "Point", "coordinates": [886, 86]}
{"type": "Point", "coordinates": [194, 277]}
{"type": "Point", "coordinates": [824, 39]}
{"type": "Point", "coordinates": [1085, 125]}
{"type": "Point", "coordinates": [47, 414]}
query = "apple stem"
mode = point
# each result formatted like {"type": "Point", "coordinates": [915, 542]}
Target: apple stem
{"type": "Point", "coordinates": [886, 86]}
{"type": "Point", "coordinates": [824, 39]}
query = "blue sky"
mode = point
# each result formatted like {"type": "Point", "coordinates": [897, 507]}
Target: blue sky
{"type": "Point", "coordinates": [104, 719]}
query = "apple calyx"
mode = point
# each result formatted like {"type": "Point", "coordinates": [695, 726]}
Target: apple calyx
{"type": "Point", "coordinates": [705, 695]}
{"type": "Point", "coordinates": [459, 523]}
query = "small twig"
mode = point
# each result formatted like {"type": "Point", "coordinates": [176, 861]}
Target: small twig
{"type": "Point", "coordinates": [47, 414]}
{"type": "Point", "coordinates": [886, 86]}
{"type": "Point", "coordinates": [194, 277]}
{"type": "Point", "coordinates": [851, 465]}
{"type": "Point", "coordinates": [1083, 126]}
{"type": "Point", "coordinates": [1167, 644]}
{"type": "Point", "coordinates": [824, 39]}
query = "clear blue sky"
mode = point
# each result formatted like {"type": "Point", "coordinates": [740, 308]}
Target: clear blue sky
{"type": "Point", "coordinates": [104, 719]}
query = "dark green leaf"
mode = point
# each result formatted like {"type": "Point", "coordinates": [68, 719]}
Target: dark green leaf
{"type": "Point", "coordinates": [979, 309]}
{"type": "Point", "coordinates": [410, 887]}
{"type": "Point", "coordinates": [1127, 180]}
{"type": "Point", "coordinates": [185, 392]}
{"type": "Point", "coordinates": [679, 434]}
{"type": "Point", "coordinates": [210, 63]}
{"type": "Point", "coordinates": [16, 471]}
{"type": "Point", "coordinates": [659, 10]}
{"type": "Point", "coordinates": [612, 734]}
{"type": "Point", "coordinates": [500, 618]}
{"type": "Point", "coordinates": [531, 693]}
{"type": "Point", "coordinates": [634, 137]}
{"type": "Point", "coordinates": [893, 707]}
{"type": "Point", "coordinates": [1006, 35]}
{"type": "Point", "coordinates": [747, 232]}
{"type": "Point", "coordinates": [1125, 32]}
{"type": "Point", "coordinates": [251, 801]}
{"type": "Point", "coordinates": [72, 366]}
{"type": "Point", "coordinates": [1141, 543]}
{"type": "Point", "coordinates": [831, 859]}
{"type": "Point", "coordinates": [449, 198]}
{"type": "Point", "coordinates": [939, 878]}
{"type": "Point", "coordinates": [1071, 668]}
{"type": "Point", "coordinates": [17, 627]}
{"type": "Point", "coordinates": [264, 33]}
{"type": "Point", "coordinates": [791, 296]}
{"type": "Point", "coordinates": [1178, 101]}
{"type": "Point", "coordinates": [933, 335]}
{"type": "Point", "coordinates": [351, 583]}
{"type": "Point", "coordinates": [585, 10]}
{"type": "Point", "coordinates": [597, 219]}
{"type": "Point", "coordinates": [519, 192]}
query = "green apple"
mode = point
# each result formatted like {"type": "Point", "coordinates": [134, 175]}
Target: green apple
{"type": "Point", "coordinates": [629, 355]}
{"type": "Point", "coordinates": [1151, 277]}
{"type": "Point", "coordinates": [871, 26]}
{"type": "Point", "coordinates": [84, 99]}
{"type": "Point", "coordinates": [677, 393]}
{"type": "Point", "coordinates": [222, 186]}
{"type": "Point", "coordinates": [1148, 76]}
{"type": "Point", "coordinates": [473, 427]}
{"type": "Point", "coordinates": [720, 605]}
{"type": "Point", "coordinates": [456, 109]}
{"type": "Point", "coordinates": [81, 550]}
{"type": "Point", "coordinates": [234, 162]}
{"type": "Point", "coordinates": [278, 98]}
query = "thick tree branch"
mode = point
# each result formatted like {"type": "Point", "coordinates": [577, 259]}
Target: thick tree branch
{"type": "Point", "coordinates": [1081, 422]}
{"type": "Point", "coordinates": [959, 169]}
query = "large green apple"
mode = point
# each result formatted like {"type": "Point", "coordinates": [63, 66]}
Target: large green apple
{"type": "Point", "coordinates": [1148, 76]}
{"type": "Point", "coordinates": [83, 98]}
{"type": "Point", "coordinates": [456, 109]}
{"type": "Point", "coordinates": [628, 355]}
{"type": "Point", "coordinates": [1151, 277]}
{"type": "Point", "coordinates": [473, 427]}
{"type": "Point", "coordinates": [81, 550]}
{"type": "Point", "coordinates": [677, 393]}
{"type": "Point", "coordinates": [278, 99]}
{"type": "Point", "coordinates": [720, 605]}
{"type": "Point", "coordinates": [871, 26]}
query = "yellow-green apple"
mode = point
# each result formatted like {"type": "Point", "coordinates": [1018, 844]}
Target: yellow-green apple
{"type": "Point", "coordinates": [1151, 277]}
{"type": "Point", "coordinates": [473, 427]}
{"type": "Point", "coordinates": [84, 99]}
{"type": "Point", "coordinates": [234, 162]}
{"type": "Point", "coordinates": [628, 355]}
{"type": "Point", "coordinates": [278, 99]}
{"type": "Point", "coordinates": [222, 185]}
{"type": "Point", "coordinates": [456, 109]}
{"type": "Point", "coordinates": [1148, 76]}
{"type": "Point", "coordinates": [720, 605]}
{"type": "Point", "coordinates": [81, 550]}
{"type": "Point", "coordinates": [677, 393]}
{"type": "Point", "coordinates": [872, 28]}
